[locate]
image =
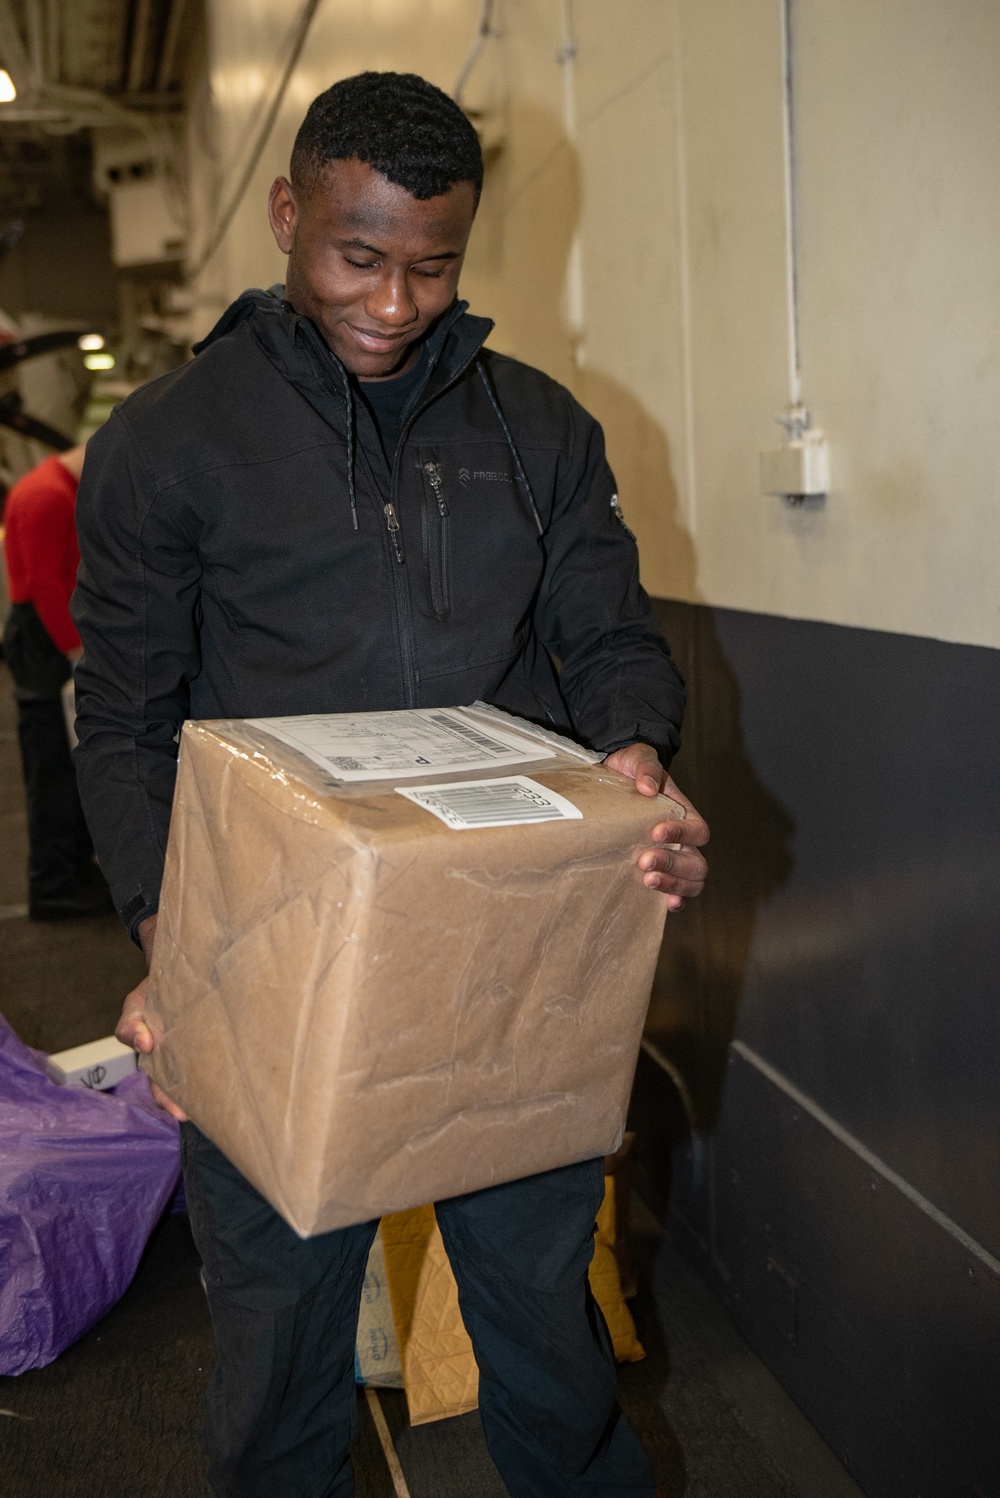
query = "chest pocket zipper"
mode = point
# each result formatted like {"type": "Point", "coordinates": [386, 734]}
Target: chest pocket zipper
{"type": "Point", "coordinates": [616, 511]}
{"type": "Point", "coordinates": [436, 538]}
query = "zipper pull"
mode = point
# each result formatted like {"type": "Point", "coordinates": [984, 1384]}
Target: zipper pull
{"type": "Point", "coordinates": [619, 515]}
{"type": "Point", "coordinates": [433, 472]}
{"type": "Point", "coordinates": [392, 522]}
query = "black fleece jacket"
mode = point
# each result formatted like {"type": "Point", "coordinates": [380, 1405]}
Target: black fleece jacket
{"type": "Point", "coordinates": [247, 552]}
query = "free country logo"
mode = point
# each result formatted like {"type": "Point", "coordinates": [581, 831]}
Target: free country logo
{"type": "Point", "coordinates": [468, 476]}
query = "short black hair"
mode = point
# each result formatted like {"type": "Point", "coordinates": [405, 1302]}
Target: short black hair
{"type": "Point", "coordinates": [399, 124]}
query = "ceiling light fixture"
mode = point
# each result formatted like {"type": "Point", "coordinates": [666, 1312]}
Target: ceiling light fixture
{"type": "Point", "coordinates": [8, 93]}
{"type": "Point", "coordinates": [88, 341]}
{"type": "Point", "coordinates": [99, 361]}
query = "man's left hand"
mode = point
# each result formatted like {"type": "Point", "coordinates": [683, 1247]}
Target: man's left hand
{"type": "Point", "coordinates": [677, 871]}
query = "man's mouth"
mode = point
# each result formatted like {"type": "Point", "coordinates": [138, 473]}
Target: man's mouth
{"type": "Point", "coordinates": [377, 343]}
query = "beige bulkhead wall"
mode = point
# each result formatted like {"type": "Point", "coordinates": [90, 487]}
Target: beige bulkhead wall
{"type": "Point", "coordinates": [632, 242]}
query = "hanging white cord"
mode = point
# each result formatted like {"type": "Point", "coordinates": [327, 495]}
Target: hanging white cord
{"type": "Point", "coordinates": [483, 34]}
{"type": "Point", "coordinates": [574, 286]}
{"type": "Point", "coordinates": [309, 10]}
{"type": "Point", "coordinates": [791, 245]}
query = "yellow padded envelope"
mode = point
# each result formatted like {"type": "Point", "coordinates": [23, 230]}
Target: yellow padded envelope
{"type": "Point", "coordinates": [439, 1371]}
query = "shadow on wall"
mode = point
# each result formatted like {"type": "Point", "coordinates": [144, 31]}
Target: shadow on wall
{"type": "Point", "coordinates": [703, 965]}
{"type": "Point", "coordinates": [705, 960]}
{"type": "Point", "coordinates": [522, 247]}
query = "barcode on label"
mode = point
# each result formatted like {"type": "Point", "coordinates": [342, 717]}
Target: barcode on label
{"type": "Point", "coordinates": [507, 802]}
{"type": "Point", "coordinates": [469, 734]}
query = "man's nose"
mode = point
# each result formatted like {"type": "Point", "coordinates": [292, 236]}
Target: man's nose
{"type": "Point", "coordinates": [391, 303]}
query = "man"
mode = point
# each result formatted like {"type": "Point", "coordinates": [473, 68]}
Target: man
{"type": "Point", "coordinates": [41, 645]}
{"type": "Point", "coordinates": [344, 503]}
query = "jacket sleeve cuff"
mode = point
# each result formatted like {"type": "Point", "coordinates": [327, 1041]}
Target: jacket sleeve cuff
{"type": "Point", "coordinates": [137, 910]}
{"type": "Point", "coordinates": [661, 740]}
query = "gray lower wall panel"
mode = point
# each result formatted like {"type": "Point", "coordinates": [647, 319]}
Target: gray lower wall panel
{"type": "Point", "coordinates": [849, 938]}
{"type": "Point", "coordinates": [886, 1327]}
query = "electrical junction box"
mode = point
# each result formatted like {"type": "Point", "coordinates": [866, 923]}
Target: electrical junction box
{"type": "Point", "coordinates": [799, 470]}
{"type": "Point", "coordinates": [144, 225]}
{"type": "Point", "coordinates": [99, 1064]}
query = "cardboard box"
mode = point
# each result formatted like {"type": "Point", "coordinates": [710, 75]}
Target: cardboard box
{"type": "Point", "coordinates": [99, 1064]}
{"type": "Point", "coordinates": [376, 1348]}
{"type": "Point", "coordinates": [369, 987]}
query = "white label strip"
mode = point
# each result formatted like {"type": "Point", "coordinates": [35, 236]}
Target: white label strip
{"type": "Point", "coordinates": [492, 803]}
{"type": "Point", "coordinates": [386, 746]}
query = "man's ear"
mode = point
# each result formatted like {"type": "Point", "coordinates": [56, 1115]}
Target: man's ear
{"type": "Point", "coordinates": [283, 212]}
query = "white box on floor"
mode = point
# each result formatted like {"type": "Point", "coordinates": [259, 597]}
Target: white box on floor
{"type": "Point", "coordinates": [99, 1064]}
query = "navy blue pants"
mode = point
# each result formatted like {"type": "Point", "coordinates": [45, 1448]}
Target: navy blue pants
{"type": "Point", "coordinates": [281, 1409]}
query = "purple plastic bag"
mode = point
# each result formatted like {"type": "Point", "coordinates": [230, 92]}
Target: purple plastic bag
{"type": "Point", "coordinates": [84, 1178]}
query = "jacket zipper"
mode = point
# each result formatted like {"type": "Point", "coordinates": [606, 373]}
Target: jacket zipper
{"type": "Point", "coordinates": [433, 472]}
{"type": "Point", "coordinates": [618, 514]}
{"type": "Point", "coordinates": [399, 585]}
{"type": "Point", "coordinates": [436, 534]}
{"type": "Point", "coordinates": [399, 580]}
{"type": "Point", "coordinates": [392, 522]}
{"type": "Point", "coordinates": [397, 574]}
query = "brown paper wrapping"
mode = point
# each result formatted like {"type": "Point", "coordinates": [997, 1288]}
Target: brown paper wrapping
{"type": "Point", "coordinates": [366, 1010]}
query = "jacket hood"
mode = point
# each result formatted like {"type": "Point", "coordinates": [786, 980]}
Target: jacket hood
{"type": "Point", "coordinates": [297, 349]}
{"type": "Point", "coordinates": [239, 311]}
{"type": "Point", "coordinates": [293, 342]}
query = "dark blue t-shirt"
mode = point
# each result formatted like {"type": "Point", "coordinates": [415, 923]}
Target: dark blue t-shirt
{"type": "Point", "coordinates": [387, 400]}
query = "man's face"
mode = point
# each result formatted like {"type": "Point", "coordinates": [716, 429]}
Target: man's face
{"type": "Point", "coordinates": [370, 264]}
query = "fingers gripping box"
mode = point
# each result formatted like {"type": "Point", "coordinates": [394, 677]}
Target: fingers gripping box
{"type": "Point", "coordinates": [400, 956]}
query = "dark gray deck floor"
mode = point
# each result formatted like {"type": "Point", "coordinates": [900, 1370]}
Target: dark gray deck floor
{"type": "Point", "coordinates": [116, 1416]}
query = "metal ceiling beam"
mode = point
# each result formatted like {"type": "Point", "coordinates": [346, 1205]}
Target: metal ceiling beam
{"type": "Point", "coordinates": [171, 40]}
{"type": "Point", "coordinates": [13, 55]}
{"type": "Point", "coordinates": [36, 40]}
{"type": "Point", "coordinates": [56, 33]}
{"type": "Point", "coordinates": [53, 41]}
{"type": "Point", "coordinates": [93, 42]}
{"type": "Point", "coordinates": [140, 46]}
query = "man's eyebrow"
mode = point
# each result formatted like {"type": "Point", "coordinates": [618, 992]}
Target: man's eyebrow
{"type": "Point", "coordinates": [358, 244]}
{"type": "Point", "coordinates": [361, 244]}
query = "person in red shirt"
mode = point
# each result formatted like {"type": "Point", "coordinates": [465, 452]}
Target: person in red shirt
{"type": "Point", "coordinates": [40, 645]}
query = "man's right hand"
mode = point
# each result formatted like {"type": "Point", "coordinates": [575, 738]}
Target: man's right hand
{"type": "Point", "coordinates": [132, 1029]}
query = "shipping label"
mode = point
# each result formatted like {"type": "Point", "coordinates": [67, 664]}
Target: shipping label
{"type": "Point", "coordinates": [508, 802]}
{"type": "Point", "coordinates": [356, 747]}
